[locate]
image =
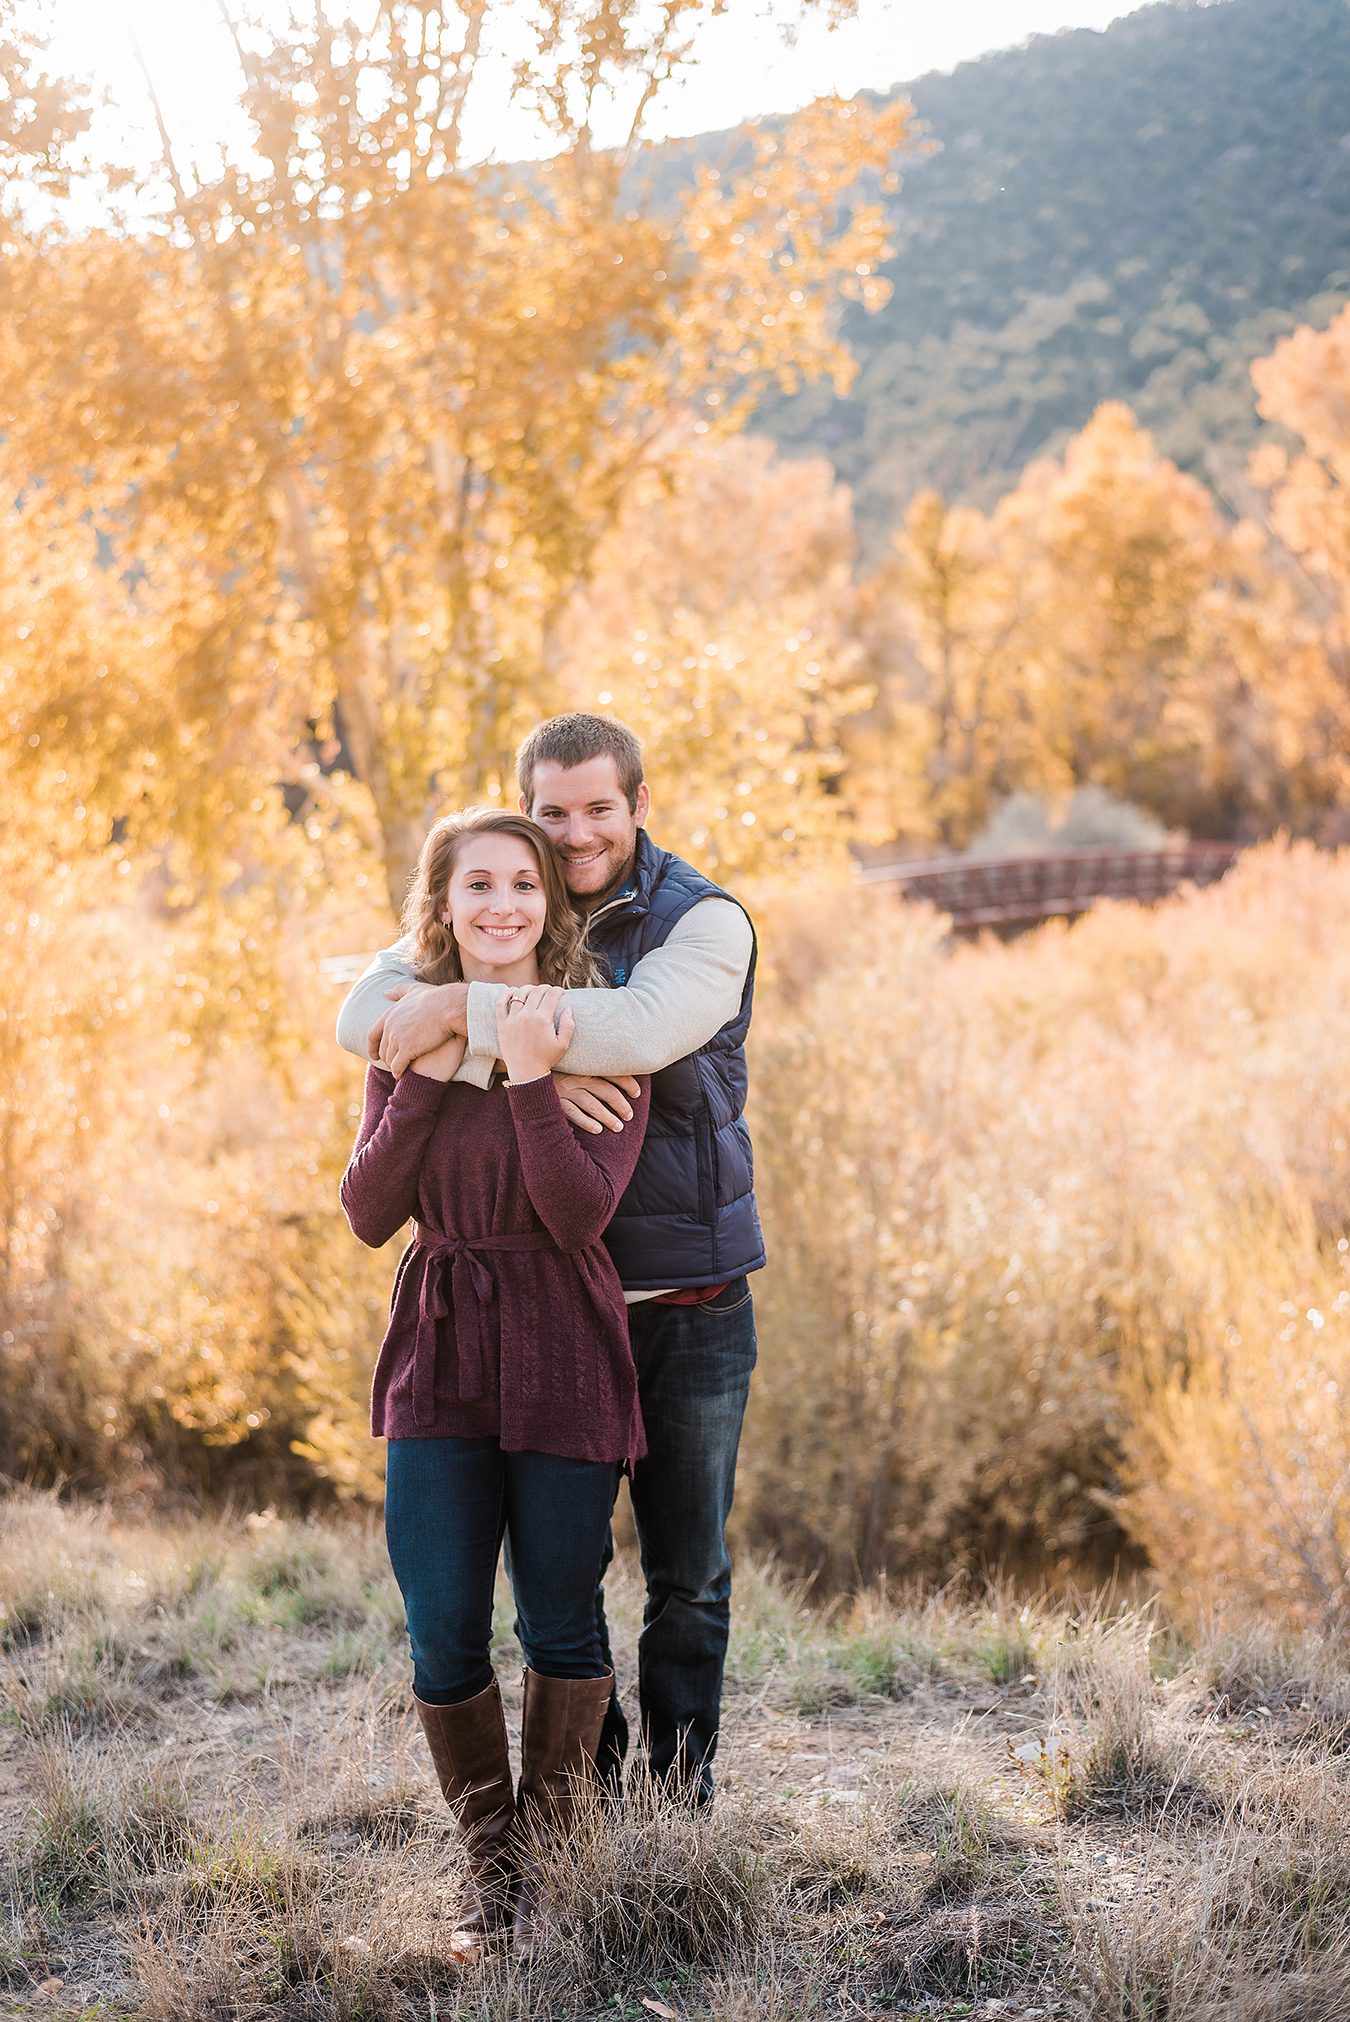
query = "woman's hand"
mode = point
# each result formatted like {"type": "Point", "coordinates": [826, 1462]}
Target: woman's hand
{"type": "Point", "coordinates": [443, 1060]}
{"type": "Point", "coordinates": [534, 1028]}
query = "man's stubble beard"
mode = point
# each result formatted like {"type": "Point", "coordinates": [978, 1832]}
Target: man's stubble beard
{"type": "Point", "coordinates": [587, 902]}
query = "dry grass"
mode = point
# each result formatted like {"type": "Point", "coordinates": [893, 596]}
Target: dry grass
{"type": "Point", "coordinates": [1060, 1255]}
{"type": "Point", "coordinates": [1060, 1276]}
{"type": "Point", "coordinates": [1259, 1929]}
{"type": "Point", "coordinates": [931, 1805]}
{"type": "Point", "coordinates": [1137, 1750]}
{"type": "Point", "coordinates": [228, 1615]}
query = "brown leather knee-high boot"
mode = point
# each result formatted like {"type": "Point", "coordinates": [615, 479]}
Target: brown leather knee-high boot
{"type": "Point", "coordinates": [560, 1732]}
{"type": "Point", "coordinates": [468, 1748]}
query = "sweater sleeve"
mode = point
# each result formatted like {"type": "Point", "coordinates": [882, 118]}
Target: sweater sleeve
{"type": "Point", "coordinates": [575, 1181]}
{"type": "Point", "coordinates": [379, 1187]}
{"type": "Point", "coordinates": [677, 997]}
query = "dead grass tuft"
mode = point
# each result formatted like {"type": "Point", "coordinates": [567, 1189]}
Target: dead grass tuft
{"type": "Point", "coordinates": [214, 1977]}
{"type": "Point", "coordinates": [1318, 1993]}
{"type": "Point", "coordinates": [25, 1947]}
{"type": "Point", "coordinates": [957, 1951]}
{"type": "Point", "coordinates": [949, 1841]}
{"type": "Point", "coordinates": [1254, 1924]}
{"type": "Point", "coordinates": [1129, 1754]}
{"type": "Point", "coordinates": [245, 1870]}
{"type": "Point", "coordinates": [655, 1891]}
{"type": "Point", "coordinates": [385, 1819]}
{"type": "Point", "coordinates": [1250, 1670]}
{"type": "Point", "coordinates": [93, 1830]}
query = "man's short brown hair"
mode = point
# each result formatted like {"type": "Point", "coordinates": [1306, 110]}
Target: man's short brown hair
{"type": "Point", "coordinates": [575, 738]}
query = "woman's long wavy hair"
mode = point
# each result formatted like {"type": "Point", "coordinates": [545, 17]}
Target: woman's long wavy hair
{"type": "Point", "coordinates": [562, 954]}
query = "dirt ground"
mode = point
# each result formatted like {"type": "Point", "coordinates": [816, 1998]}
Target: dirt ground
{"type": "Point", "coordinates": [214, 1803]}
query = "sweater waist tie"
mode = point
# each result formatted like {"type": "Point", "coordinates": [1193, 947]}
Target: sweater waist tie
{"type": "Point", "coordinates": [472, 1288]}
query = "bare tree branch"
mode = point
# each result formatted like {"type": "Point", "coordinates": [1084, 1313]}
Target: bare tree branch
{"type": "Point", "coordinates": [170, 164]}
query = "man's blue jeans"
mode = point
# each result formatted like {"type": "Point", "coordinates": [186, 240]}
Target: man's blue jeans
{"type": "Point", "coordinates": [694, 1365]}
{"type": "Point", "coordinates": [447, 1504]}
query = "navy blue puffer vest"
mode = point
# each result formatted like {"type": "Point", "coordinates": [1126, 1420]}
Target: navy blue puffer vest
{"type": "Point", "coordinates": [688, 1216]}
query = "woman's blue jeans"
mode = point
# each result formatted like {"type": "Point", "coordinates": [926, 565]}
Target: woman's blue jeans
{"type": "Point", "coordinates": [448, 1503]}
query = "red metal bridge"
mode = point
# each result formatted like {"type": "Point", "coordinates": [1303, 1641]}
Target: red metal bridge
{"type": "Point", "coordinates": [1012, 892]}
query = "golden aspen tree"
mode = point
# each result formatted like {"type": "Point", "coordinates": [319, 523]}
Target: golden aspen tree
{"type": "Point", "coordinates": [170, 1262]}
{"type": "Point", "coordinates": [1170, 654]}
{"type": "Point", "coordinates": [72, 760]}
{"type": "Point", "coordinates": [717, 622]}
{"type": "Point", "coordinates": [949, 729]}
{"type": "Point", "coordinates": [306, 465]}
{"type": "Point", "coordinates": [1123, 547]}
{"type": "Point", "coordinates": [1261, 711]}
{"type": "Point", "coordinates": [1304, 385]}
{"type": "Point", "coordinates": [1102, 625]}
{"type": "Point", "coordinates": [377, 403]}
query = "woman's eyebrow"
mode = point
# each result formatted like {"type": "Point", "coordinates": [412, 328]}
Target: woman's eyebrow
{"type": "Point", "coordinates": [525, 871]}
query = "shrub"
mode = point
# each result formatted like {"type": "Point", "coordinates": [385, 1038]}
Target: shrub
{"type": "Point", "coordinates": [1060, 1270]}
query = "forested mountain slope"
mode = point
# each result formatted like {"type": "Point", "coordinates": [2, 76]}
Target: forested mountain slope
{"type": "Point", "coordinates": [1133, 214]}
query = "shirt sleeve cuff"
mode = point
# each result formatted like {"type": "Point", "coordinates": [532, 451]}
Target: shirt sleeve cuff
{"type": "Point", "coordinates": [474, 1072]}
{"type": "Point", "coordinates": [418, 1092]}
{"type": "Point", "coordinates": [535, 1101]}
{"type": "Point", "coordinates": [483, 1001]}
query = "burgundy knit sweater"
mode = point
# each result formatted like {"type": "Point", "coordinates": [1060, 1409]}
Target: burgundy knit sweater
{"type": "Point", "coordinates": [507, 1318]}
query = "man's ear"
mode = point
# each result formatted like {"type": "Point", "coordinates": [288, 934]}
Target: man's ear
{"type": "Point", "coordinates": [522, 805]}
{"type": "Point", "coordinates": [644, 801]}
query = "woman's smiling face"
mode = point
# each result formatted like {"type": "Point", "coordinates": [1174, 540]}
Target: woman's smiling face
{"type": "Point", "coordinates": [495, 906]}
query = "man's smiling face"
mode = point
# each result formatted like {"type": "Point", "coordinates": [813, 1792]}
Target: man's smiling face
{"type": "Point", "coordinates": [585, 813]}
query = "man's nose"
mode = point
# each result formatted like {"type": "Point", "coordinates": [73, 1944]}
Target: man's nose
{"type": "Point", "coordinates": [577, 832]}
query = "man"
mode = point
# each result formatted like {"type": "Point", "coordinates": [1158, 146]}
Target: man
{"type": "Point", "coordinates": [681, 953]}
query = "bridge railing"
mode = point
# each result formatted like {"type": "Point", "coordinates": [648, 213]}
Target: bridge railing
{"type": "Point", "coordinates": [1014, 891]}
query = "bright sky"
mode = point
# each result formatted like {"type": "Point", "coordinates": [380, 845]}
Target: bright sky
{"type": "Point", "coordinates": [744, 66]}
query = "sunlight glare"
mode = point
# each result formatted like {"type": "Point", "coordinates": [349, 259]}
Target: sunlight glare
{"type": "Point", "coordinates": [744, 66]}
{"type": "Point", "coordinates": [189, 58]}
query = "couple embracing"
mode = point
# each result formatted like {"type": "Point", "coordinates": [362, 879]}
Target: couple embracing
{"type": "Point", "coordinates": [555, 1098]}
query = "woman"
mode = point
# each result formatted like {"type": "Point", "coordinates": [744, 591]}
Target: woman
{"type": "Point", "coordinates": [505, 1385]}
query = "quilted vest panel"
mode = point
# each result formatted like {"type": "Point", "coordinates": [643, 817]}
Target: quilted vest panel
{"type": "Point", "coordinates": [688, 1216]}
